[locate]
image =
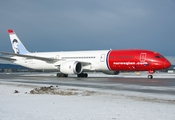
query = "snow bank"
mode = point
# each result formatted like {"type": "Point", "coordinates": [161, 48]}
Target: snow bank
{"type": "Point", "coordinates": [98, 105]}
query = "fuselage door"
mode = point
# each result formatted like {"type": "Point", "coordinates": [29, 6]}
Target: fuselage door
{"type": "Point", "coordinates": [142, 57]}
{"type": "Point", "coordinates": [102, 57]}
{"type": "Point", "coordinates": [57, 57]}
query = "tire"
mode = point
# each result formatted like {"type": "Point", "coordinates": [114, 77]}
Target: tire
{"type": "Point", "coordinates": [65, 75]}
{"type": "Point", "coordinates": [82, 75]}
{"type": "Point", "coordinates": [62, 75]}
{"type": "Point", "coordinates": [150, 77]}
{"type": "Point", "coordinates": [58, 75]}
{"type": "Point", "coordinates": [86, 75]}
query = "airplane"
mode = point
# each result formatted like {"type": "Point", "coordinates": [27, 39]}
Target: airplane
{"type": "Point", "coordinates": [79, 62]}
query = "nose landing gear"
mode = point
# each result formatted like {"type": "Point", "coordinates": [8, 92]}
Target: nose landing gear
{"type": "Point", "coordinates": [150, 72]}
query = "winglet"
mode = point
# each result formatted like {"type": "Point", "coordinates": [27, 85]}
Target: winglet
{"type": "Point", "coordinates": [10, 31]}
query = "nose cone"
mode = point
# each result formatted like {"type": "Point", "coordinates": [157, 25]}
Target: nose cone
{"type": "Point", "coordinates": [167, 64]}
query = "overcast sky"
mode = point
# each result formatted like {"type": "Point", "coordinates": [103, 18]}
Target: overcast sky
{"type": "Point", "coordinates": [64, 25]}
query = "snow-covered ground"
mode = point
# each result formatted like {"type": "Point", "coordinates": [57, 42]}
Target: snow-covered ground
{"type": "Point", "coordinates": [80, 105]}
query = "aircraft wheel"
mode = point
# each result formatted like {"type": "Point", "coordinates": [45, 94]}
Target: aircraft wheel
{"type": "Point", "coordinates": [65, 75]}
{"type": "Point", "coordinates": [86, 75]}
{"type": "Point", "coordinates": [78, 75]}
{"type": "Point", "coordinates": [58, 75]}
{"type": "Point", "coordinates": [150, 77]}
{"type": "Point", "coordinates": [82, 75]}
{"type": "Point", "coordinates": [62, 75]}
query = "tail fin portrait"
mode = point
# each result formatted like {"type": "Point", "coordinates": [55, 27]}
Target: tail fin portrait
{"type": "Point", "coordinates": [17, 45]}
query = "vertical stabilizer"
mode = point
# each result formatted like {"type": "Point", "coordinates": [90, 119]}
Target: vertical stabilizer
{"type": "Point", "coordinates": [17, 45]}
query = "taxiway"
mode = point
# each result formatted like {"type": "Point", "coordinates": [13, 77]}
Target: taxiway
{"type": "Point", "coordinates": [164, 86]}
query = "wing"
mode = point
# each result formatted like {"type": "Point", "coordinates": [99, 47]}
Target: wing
{"type": "Point", "coordinates": [9, 59]}
{"type": "Point", "coordinates": [50, 60]}
{"type": "Point", "coordinates": [28, 57]}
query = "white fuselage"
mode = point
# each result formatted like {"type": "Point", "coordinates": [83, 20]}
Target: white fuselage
{"type": "Point", "coordinates": [96, 59]}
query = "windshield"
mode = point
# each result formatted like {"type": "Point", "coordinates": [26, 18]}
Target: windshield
{"type": "Point", "coordinates": [159, 56]}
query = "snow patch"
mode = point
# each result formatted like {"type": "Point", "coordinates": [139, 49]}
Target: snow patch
{"type": "Point", "coordinates": [95, 105]}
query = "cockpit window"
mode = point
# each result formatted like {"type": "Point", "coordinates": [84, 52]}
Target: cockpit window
{"type": "Point", "coordinates": [157, 56]}
{"type": "Point", "coordinates": [162, 56]}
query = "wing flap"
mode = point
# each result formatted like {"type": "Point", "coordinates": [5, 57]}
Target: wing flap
{"type": "Point", "coordinates": [9, 59]}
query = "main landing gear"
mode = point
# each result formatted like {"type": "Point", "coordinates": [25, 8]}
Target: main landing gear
{"type": "Point", "coordinates": [82, 75]}
{"type": "Point", "coordinates": [62, 75]}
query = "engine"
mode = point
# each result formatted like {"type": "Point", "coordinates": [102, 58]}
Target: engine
{"type": "Point", "coordinates": [111, 72]}
{"type": "Point", "coordinates": [71, 67]}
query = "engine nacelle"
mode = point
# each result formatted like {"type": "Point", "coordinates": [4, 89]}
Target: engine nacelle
{"type": "Point", "coordinates": [71, 67]}
{"type": "Point", "coordinates": [111, 72]}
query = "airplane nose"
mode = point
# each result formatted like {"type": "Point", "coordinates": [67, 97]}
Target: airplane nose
{"type": "Point", "coordinates": [167, 64]}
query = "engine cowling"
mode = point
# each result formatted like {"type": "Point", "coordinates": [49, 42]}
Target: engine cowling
{"type": "Point", "coordinates": [71, 67]}
{"type": "Point", "coordinates": [111, 72]}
